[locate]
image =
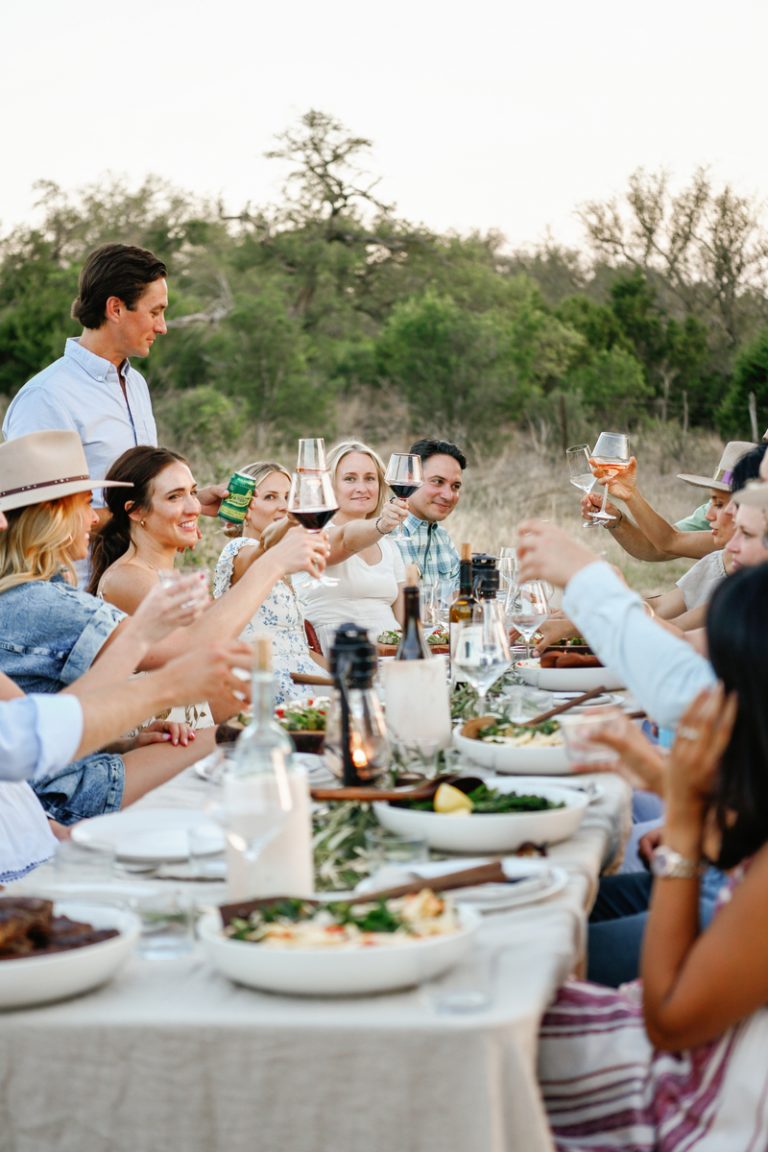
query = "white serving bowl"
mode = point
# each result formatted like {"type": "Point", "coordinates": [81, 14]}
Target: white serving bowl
{"type": "Point", "coordinates": [58, 975]}
{"type": "Point", "coordinates": [490, 832]}
{"type": "Point", "coordinates": [526, 761]}
{"type": "Point", "coordinates": [333, 971]}
{"type": "Point", "coordinates": [567, 679]}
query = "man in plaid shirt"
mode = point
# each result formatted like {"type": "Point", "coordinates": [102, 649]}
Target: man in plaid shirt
{"type": "Point", "coordinates": [422, 539]}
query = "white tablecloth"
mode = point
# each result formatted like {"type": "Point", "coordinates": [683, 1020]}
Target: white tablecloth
{"type": "Point", "coordinates": [170, 1055]}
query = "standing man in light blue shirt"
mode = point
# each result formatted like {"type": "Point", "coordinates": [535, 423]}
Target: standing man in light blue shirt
{"type": "Point", "coordinates": [93, 389]}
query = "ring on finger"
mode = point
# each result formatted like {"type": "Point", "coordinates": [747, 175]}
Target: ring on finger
{"type": "Point", "coordinates": [685, 732]}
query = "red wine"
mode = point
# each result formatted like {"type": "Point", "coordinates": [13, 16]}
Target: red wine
{"type": "Point", "coordinates": [404, 490]}
{"type": "Point", "coordinates": [313, 518]}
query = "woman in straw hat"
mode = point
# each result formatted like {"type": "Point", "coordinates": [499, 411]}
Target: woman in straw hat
{"type": "Point", "coordinates": [52, 632]}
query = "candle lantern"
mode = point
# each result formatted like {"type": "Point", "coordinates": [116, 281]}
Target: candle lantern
{"type": "Point", "coordinates": [356, 745]}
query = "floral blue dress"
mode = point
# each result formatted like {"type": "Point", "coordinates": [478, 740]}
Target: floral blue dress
{"type": "Point", "coordinates": [279, 616]}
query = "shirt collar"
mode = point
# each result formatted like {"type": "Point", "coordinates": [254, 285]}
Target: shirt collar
{"type": "Point", "coordinates": [412, 523]}
{"type": "Point", "coordinates": [94, 365]}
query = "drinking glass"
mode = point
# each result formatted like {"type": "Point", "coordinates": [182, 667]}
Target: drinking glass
{"type": "Point", "coordinates": [508, 567]}
{"type": "Point", "coordinates": [580, 473]}
{"type": "Point", "coordinates": [526, 609]}
{"type": "Point", "coordinates": [482, 649]}
{"type": "Point", "coordinates": [404, 476]}
{"type": "Point", "coordinates": [609, 457]}
{"type": "Point", "coordinates": [311, 456]}
{"type": "Point", "coordinates": [312, 501]}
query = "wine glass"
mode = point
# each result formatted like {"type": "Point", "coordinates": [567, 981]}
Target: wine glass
{"type": "Point", "coordinates": [311, 456]}
{"type": "Point", "coordinates": [580, 473]}
{"type": "Point", "coordinates": [482, 651]}
{"type": "Point", "coordinates": [312, 501]}
{"type": "Point", "coordinates": [609, 457]}
{"type": "Point", "coordinates": [404, 476]}
{"type": "Point", "coordinates": [507, 567]}
{"type": "Point", "coordinates": [527, 608]}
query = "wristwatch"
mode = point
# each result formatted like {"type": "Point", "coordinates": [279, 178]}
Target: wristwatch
{"type": "Point", "coordinates": [670, 865]}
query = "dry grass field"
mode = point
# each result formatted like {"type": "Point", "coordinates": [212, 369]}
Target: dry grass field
{"type": "Point", "coordinates": [524, 478]}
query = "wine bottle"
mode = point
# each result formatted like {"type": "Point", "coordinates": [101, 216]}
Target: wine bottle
{"type": "Point", "coordinates": [412, 644]}
{"type": "Point", "coordinates": [461, 608]}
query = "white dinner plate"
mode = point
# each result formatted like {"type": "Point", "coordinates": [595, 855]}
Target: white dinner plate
{"type": "Point", "coordinates": [603, 700]}
{"type": "Point", "coordinates": [567, 679]}
{"type": "Point", "coordinates": [491, 832]}
{"type": "Point", "coordinates": [147, 835]}
{"type": "Point", "coordinates": [41, 979]}
{"type": "Point", "coordinates": [531, 882]}
{"type": "Point", "coordinates": [528, 760]}
{"type": "Point", "coordinates": [335, 972]}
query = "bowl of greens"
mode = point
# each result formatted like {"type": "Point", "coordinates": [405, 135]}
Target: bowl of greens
{"type": "Point", "coordinates": [495, 815]}
{"type": "Point", "coordinates": [504, 746]}
{"type": "Point", "coordinates": [304, 721]}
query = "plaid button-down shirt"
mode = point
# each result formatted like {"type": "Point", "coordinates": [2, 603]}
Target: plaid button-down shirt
{"type": "Point", "coordinates": [430, 548]}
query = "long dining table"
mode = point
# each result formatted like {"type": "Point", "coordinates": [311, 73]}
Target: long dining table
{"type": "Point", "coordinates": [171, 1055]}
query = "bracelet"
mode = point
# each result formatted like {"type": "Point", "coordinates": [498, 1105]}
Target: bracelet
{"type": "Point", "coordinates": [614, 526]}
{"type": "Point", "coordinates": [668, 864]}
{"type": "Point", "coordinates": [376, 526]}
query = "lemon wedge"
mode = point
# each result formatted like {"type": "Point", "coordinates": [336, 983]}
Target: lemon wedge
{"type": "Point", "coordinates": [453, 800]}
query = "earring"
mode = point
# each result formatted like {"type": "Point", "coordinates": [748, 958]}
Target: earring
{"type": "Point", "coordinates": [143, 523]}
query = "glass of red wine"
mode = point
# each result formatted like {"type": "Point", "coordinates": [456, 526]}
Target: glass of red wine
{"type": "Point", "coordinates": [404, 476]}
{"type": "Point", "coordinates": [312, 501]}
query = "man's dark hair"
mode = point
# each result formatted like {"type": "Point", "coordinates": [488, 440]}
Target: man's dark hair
{"type": "Point", "coordinates": [427, 448]}
{"type": "Point", "coordinates": [114, 270]}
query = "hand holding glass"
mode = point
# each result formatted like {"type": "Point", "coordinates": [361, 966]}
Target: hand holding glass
{"type": "Point", "coordinates": [610, 456]}
{"type": "Point", "coordinates": [312, 501]}
{"type": "Point", "coordinates": [404, 476]}
{"type": "Point", "coordinates": [580, 473]}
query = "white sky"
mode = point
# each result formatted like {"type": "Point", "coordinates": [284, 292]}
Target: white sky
{"type": "Point", "coordinates": [482, 115]}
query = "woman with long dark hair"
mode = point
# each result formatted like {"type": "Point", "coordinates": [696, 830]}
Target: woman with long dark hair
{"type": "Point", "coordinates": [677, 1060]}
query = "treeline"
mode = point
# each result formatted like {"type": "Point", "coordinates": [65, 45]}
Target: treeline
{"type": "Point", "coordinates": [285, 316]}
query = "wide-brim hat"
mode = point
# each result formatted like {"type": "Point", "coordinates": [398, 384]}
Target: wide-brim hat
{"type": "Point", "coordinates": [722, 480]}
{"type": "Point", "coordinates": [45, 466]}
{"type": "Point", "coordinates": [753, 495]}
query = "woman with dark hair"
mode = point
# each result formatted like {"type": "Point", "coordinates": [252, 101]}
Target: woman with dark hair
{"type": "Point", "coordinates": [678, 1060]}
{"type": "Point", "coordinates": [144, 533]}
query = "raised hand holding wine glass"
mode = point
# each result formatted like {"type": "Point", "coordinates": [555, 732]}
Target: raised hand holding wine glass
{"type": "Point", "coordinates": [610, 457]}
{"type": "Point", "coordinates": [404, 476]}
{"type": "Point", "coordinates": [312, 501]}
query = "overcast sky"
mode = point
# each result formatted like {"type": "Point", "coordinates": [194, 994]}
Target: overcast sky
{"type": "Point", "coordinates": [504, 115]}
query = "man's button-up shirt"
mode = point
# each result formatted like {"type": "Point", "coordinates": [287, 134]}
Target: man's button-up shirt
{"type": "Point", "coordinates": [81, 392]}
{"type": "Point", "coordinates": [430, 548]}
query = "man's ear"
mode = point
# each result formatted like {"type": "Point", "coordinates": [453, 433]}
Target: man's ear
{"type": "Point", "coordinates": [114, 308]}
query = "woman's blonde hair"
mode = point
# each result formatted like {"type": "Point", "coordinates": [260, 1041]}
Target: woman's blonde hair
{"type": "Point", "coordinates": [37, 542]}
{"type": "Point", "coordinates": [337, 454]}
{"type": "Point", "coordinates": [258, 470]}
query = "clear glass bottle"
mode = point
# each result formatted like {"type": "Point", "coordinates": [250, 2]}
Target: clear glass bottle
{"type": "Point", "coordinates": [265, 808]}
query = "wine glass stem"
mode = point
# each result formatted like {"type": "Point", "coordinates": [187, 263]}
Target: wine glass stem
{"type": "Point", "coordinates": [605, 499]}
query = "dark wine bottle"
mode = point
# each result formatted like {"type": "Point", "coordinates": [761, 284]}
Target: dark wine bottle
{"type": "Point", "coordinates": [412, 644]}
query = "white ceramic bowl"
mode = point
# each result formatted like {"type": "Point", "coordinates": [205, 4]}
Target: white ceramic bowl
{"type": "Point", "coordinates": [335, 972]}
{"type": "Point", "coordinates": [567, 679]}
{"type": "Point", "coordinates": [41, 979]}
{"type": "Point", "coordinates": [490, 832]}
{"type": "Point", "coordinates": [526, 761]}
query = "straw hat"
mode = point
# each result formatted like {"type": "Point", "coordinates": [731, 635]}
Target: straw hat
{"type": "Point", "coordinates": [753, 495]}
{"type": "Point", "coordinates": [45, 466]}
{"type": "Point", "coordinates": [723, 477]}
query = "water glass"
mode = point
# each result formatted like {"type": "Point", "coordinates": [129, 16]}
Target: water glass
{"type": "Point", "coordinates": [77, 865]}
{"type": "Point", "coordinates": [167, 921]}
{"type": "Point", "coordinates": [579, 730]}
{"type": "Point", "coordinates": [206, 859]}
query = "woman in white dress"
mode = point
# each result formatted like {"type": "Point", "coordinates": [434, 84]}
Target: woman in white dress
{"type": "Point", "coordinates": [366, 566]}
{"type": "Point", "coordinates": [279, 615]}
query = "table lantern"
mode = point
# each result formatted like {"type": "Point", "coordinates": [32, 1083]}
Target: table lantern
{"type": "Point", "coordinates": [356, 745]}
